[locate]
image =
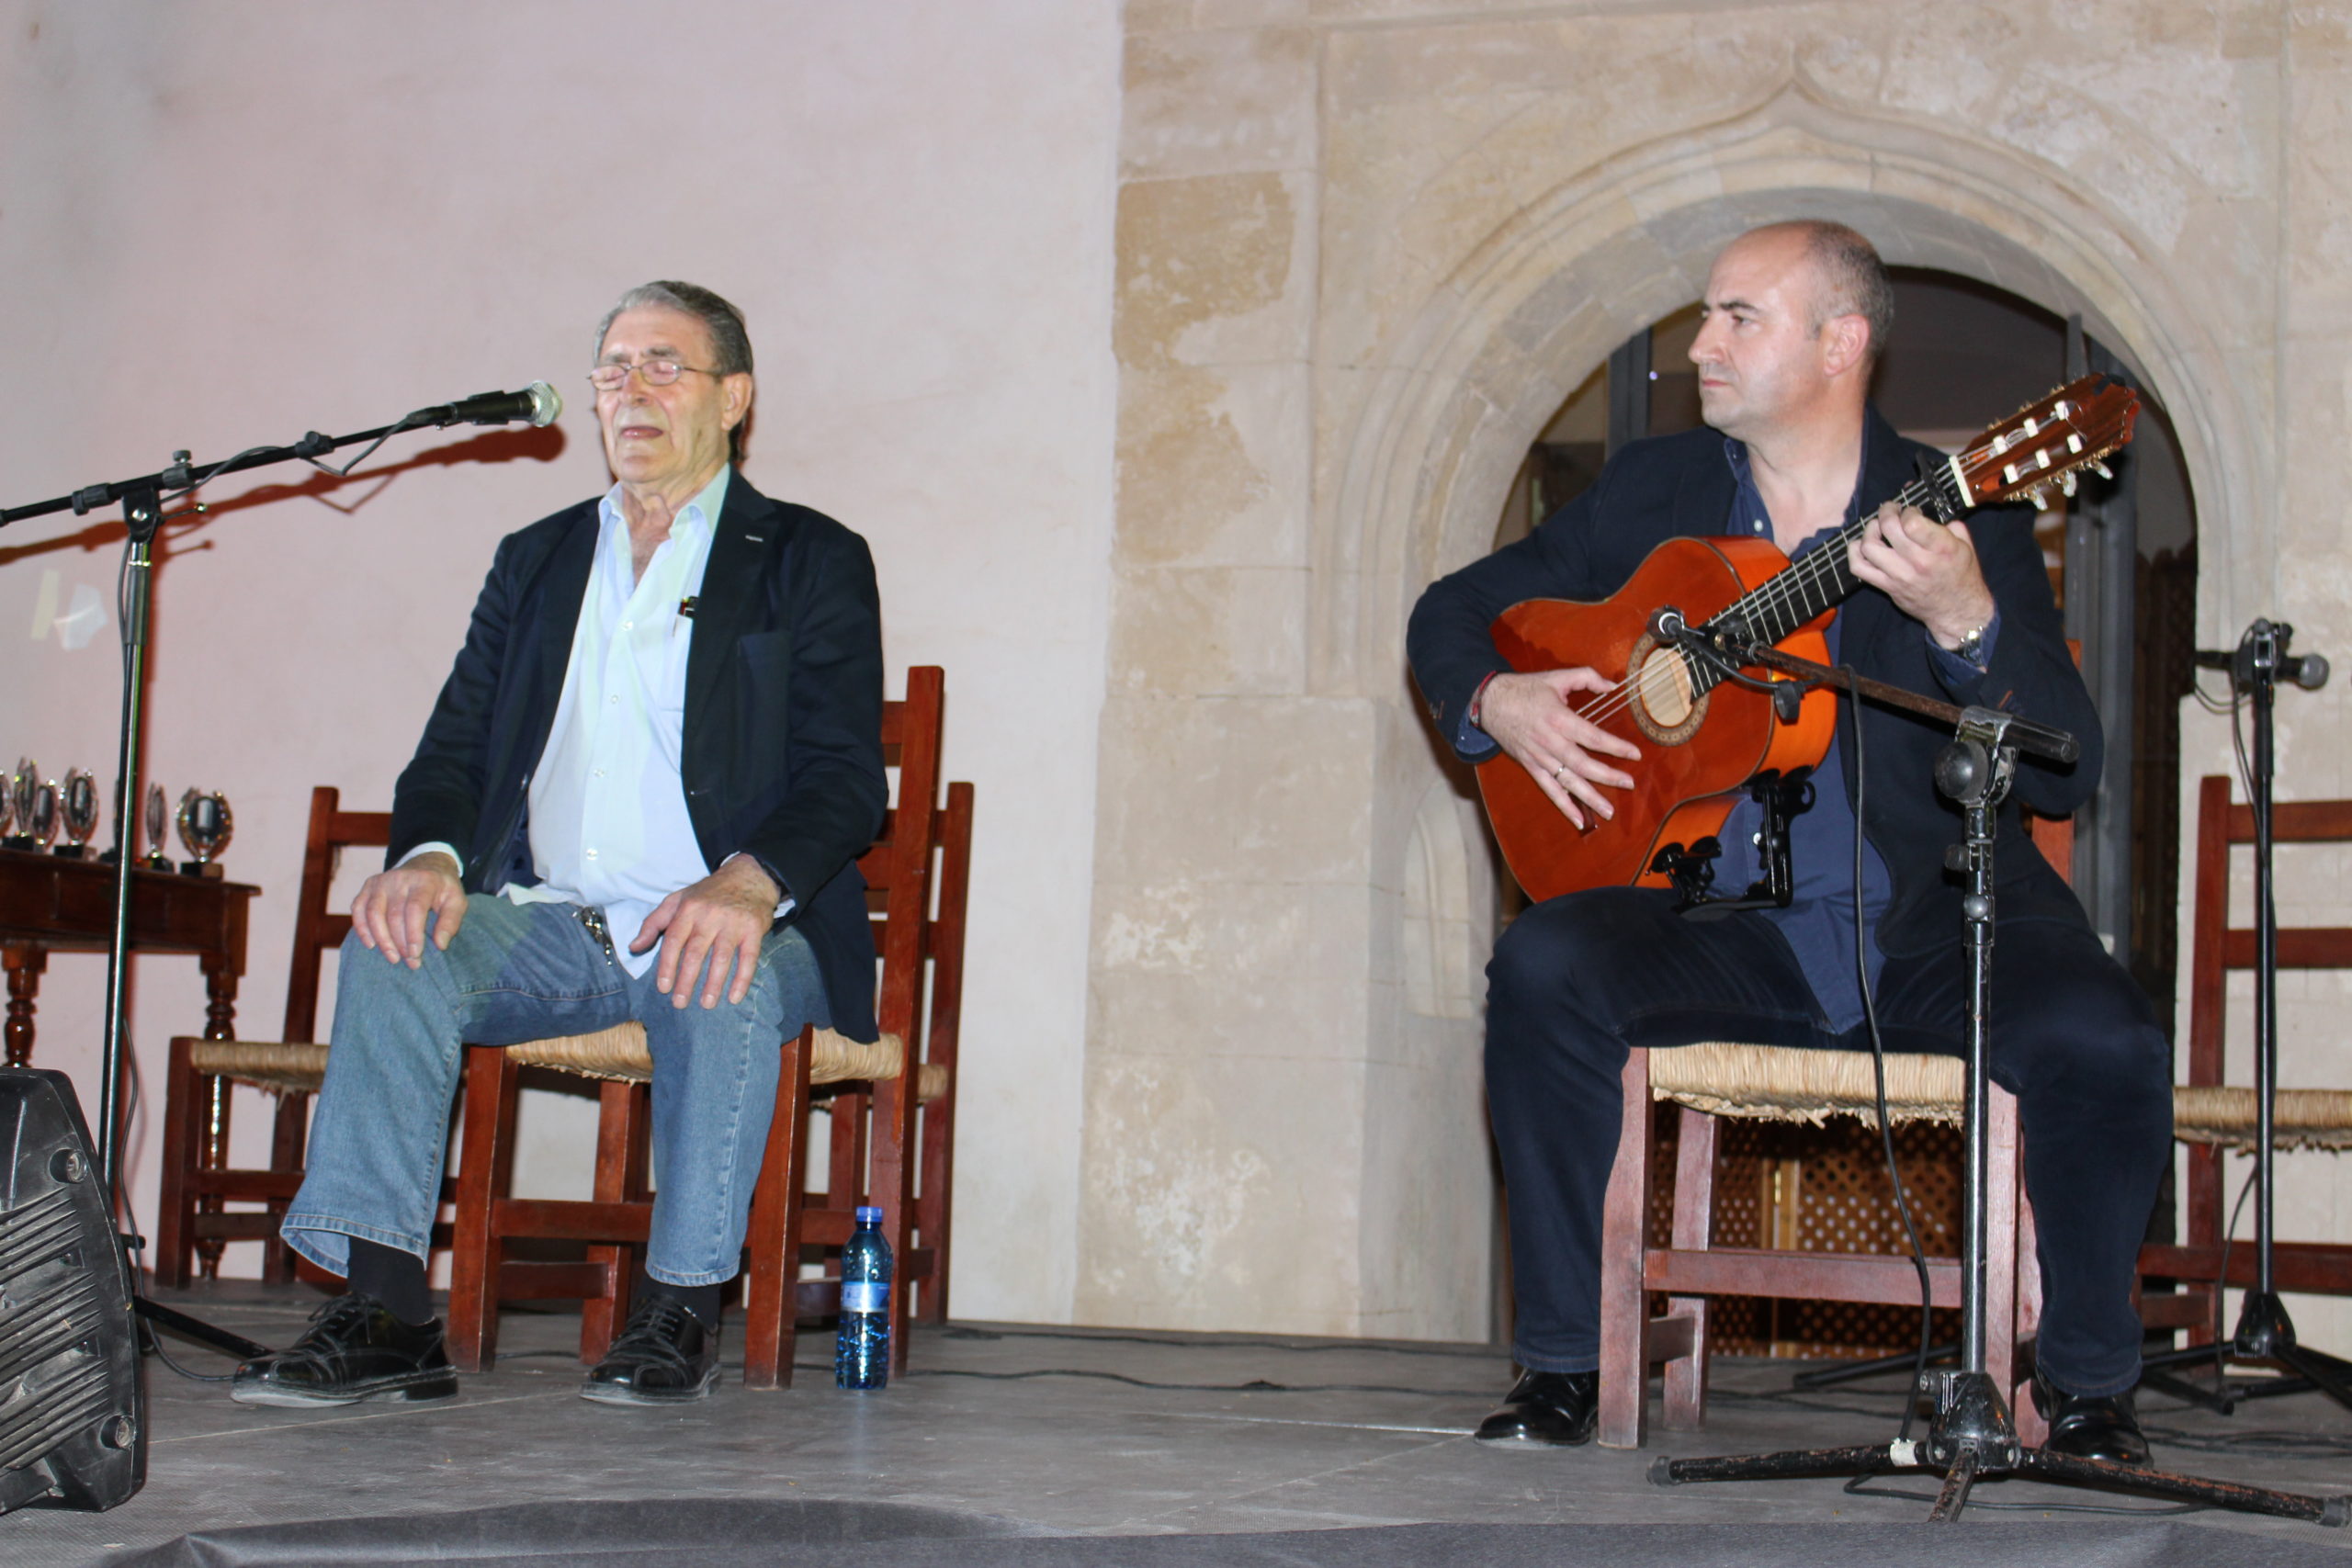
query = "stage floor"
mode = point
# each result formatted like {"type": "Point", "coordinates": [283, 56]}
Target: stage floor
{"type": "Point", "coordinates": [1075, 1430]}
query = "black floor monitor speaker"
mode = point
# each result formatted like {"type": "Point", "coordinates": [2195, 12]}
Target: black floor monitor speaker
{"type": "Point", "coordinates": [72, 1411]}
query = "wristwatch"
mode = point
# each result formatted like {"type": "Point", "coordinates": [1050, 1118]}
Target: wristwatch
{"type": "Point", "coordinates": [1972, 645]}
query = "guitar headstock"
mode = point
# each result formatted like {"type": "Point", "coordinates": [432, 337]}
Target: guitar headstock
{"type": "Point", "coordinates": [2045, 444]}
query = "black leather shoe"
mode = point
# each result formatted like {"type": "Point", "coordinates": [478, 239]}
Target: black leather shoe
{"type": "Point", "coordinates": [354, 1349]}
{"type": "Point", "coordinates": [2087, 1427]}
{"type": "Point", "coordinates": [1555, 1408]}
{"type": "Point", "coordinates": [662, 1356]}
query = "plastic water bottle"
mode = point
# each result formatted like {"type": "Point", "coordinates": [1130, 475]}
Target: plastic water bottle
{"type": "Point", "coordinates": [862, 1349]}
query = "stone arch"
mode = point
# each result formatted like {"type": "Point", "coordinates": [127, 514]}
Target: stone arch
{"type": "Point", "coordinates": [1427, 452]}
{"type": "Point", "coordinates": [1453, 402]}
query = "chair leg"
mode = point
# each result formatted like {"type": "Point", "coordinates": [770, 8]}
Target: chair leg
{"type": "Point", "coordinates": [888, 1175]}
{"type": "Point", "coordinates": [218, 1095]}
{"type": "Point", "coordinates": [184, 1100]}
{"type": "Point", "coordinates": [931, 1205]}
{"type": "Point", "coordinates": [772, 1289]}
{"type": "Point", "coordinates": [2002, 1260]}
{"type": "Point", "coordinates": [1624, 1305]}
{"type": "Point", "coordinates": [2032, 1429]}
{"type": "Point", "coordinates": [622, 1115]}
{"type": "Point", "coordinates": [288, 1138]}
{"type": "Point", "coordinates": [1694, 1223]}
{"type": "Point", "coordinates": [845, 1182]}
{"type": "Point", "coordinates": [484, 1175]}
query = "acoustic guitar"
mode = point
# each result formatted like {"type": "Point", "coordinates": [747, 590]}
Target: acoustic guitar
{"type": "Point", "coordinates": [1703, 735]}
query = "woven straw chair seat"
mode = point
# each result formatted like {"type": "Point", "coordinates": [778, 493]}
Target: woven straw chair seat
{"type": "Point", "coordinates": [289, 1069]}
{"type": "Point", "coordinates": [2224, 1114]}
{"type": "Point", "coordinates": [1782, 1084]}
{"type": "Point", "coordinates": [618, 1053]}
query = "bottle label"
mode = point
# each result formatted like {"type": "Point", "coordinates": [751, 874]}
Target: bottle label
{"type": "Point", "coordinates": [865, 1295]}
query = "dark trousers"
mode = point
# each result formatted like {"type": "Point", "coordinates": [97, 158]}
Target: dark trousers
{"type": "Point", "coordinates": [1577, 981]}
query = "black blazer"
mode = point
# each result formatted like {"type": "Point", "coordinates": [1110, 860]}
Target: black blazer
{"type": "Point", "coordinates": [782, 752]}
{"type": "Point", "coordinates": [1682, 486]}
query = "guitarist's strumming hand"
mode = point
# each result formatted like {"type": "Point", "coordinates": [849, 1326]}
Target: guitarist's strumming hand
{"type": "Point", "coordinates": [1927, 567]}
{"type": "Point", "coordinates": [1530, 716]}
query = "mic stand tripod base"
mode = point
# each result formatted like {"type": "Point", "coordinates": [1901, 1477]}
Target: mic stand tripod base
{"type": "Point", "coordinates": [1969, 1463]}
{"type": "Point", "coordinates": [2264, 1336]}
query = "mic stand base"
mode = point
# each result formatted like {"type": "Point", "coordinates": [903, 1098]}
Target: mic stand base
{"type": "Point", "coordinates": [2264, 1338]}
{"type": "Point", "coordinates": [1970, 1463]}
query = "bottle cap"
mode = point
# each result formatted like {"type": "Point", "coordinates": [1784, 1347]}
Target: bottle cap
{"type": "Point", "coordinates": [866, 1211]}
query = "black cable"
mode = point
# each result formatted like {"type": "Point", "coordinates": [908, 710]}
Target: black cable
{"type": "Point", "coordinates": [1878, 1062]}
{"type": "Point", "coordinates": [955, 1331]}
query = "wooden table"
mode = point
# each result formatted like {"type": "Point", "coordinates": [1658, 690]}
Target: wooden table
{"type": "Point", "coordinates": [53, 904]}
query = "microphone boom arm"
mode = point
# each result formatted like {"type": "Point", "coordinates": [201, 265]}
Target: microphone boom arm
{"type": "Point", "coordinates": [2040, 739]}
{"type": "Point", "coordinates": [184, 475]}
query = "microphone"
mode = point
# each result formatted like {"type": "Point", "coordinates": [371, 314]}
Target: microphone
{"type": "Point", "coordinates": [538, 403]}
{"type": "Point", "coordinates": [2309, 671]}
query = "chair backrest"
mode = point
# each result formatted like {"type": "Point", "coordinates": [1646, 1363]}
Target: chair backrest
{"type": "Point", "coordinates": [316, 927]}
{"type": "Point", "coordinates": [943, 940]}
{"type": "Point", "coordinates": [2217, 947]}
{"type": "Point", "coordinates": [898, 868]}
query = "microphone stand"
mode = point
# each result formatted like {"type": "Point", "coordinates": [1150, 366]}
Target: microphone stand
{"type": "Point", "coordinates": [142, 515]}
{"type": "Point", "coordinates": [1971, 1436]}
{"type": "Point", "coordinates": [2265, 1334]}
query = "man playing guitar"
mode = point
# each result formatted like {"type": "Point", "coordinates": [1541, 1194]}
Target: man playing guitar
{"type": "Point", "coordinates": [1793, 319]}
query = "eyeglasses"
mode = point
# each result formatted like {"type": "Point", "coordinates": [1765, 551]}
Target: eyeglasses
{"type": "Point", "coordinates": [657, 373]}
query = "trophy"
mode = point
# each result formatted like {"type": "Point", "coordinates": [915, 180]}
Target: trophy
{"type": "Point", "coordinates": [7, 810]}
{"type": "Point", "coordinates": [78, 801]}
{"type": "Point", "coordinates": [205, 826]}
{"type": "Point", "coordinates": [39, 819]}
{"type": "Point", "coordinates": [157, 811]}
{"type": "Point", "coordinates": [21, 787]}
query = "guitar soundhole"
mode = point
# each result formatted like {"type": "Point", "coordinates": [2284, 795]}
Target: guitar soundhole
{"type": "Point", "coordinates": [1664, 707]}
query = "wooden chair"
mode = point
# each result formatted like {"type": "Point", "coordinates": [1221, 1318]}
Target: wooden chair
{"type": "Point", "coordinates": [1715, 1079]}
{"type": "Point", "coordinates": [196, 1183]}
{"type": "Point", "coordinates": [909, 1095]}
{"type": "Point", "coordinates": [2210, 1114]}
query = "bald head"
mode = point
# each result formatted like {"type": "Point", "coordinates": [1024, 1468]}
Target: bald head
{"type": "Point", "coordinates": [1847, 276]}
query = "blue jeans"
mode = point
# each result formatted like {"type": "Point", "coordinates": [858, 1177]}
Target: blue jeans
{"type": "Point", "coordinates": [520, 972]}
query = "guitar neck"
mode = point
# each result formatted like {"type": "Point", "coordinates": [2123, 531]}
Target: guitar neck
{"type": "Point", "coordinates": [1821, 578]}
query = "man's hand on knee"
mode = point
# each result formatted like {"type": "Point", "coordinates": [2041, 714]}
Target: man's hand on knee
{"type": "Point", "coordinates": [721, 920]}
{"type": "Point", "coordinates": [393, 905]}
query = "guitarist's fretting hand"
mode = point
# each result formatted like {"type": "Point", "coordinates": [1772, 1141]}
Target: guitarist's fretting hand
{"type": "Point", "coordinates": [1529, 715]}
{"type": "Point", "coordinates": [1929, 568]}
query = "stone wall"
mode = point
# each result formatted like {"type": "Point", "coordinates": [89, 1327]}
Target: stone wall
{"type": "Point", "coordinates": [1365, 247]}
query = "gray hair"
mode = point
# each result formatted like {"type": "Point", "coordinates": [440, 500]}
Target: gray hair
{"type": "Point", "coordinates": [1851, 279]}
{"type": "Point", "coordinates": [729, 340]}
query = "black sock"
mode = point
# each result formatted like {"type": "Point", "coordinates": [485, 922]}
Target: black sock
{"type": "Point", "coordinates": [392, 1277]}
{"type": "Point", "coordinates": [700, 1299]}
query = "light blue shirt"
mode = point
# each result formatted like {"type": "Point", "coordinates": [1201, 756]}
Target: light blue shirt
{"type": "Point", "coordinates": [609, 823]}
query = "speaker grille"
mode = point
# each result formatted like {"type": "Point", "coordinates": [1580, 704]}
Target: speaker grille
{"type": "Point", "coordinates": [71, 1411]}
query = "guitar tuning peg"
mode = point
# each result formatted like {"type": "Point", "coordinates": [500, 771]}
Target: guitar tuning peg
{"type": "Point", "coordinates": [2101, 469]}
{"type": "Point", "coordinates": [2067, 481]}
{"type": "Point", "coordinates": [2040, 497]}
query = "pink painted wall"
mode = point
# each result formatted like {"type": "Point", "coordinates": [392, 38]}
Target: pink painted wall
{"type": "Point", "coordinates": [222, 224]}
